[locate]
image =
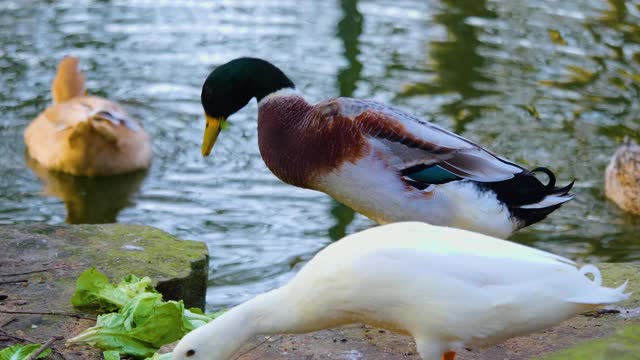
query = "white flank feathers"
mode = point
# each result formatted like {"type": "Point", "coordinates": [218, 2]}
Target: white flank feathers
{"type": "Point", "coordinates": [385, 198]}
{"type": "Point", "coordinates": [549, 200]}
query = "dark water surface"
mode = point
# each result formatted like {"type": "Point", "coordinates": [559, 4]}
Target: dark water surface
{"type": "Point", "coordinates": [544, 83]}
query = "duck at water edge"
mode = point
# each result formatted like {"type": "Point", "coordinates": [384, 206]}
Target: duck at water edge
{"type": "Point", "coordinates": [377, 159]}
{"type": "Point", "coordinates": [448, 288]}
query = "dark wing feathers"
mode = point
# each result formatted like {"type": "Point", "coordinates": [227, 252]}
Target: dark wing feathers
{"type": "Point", "coordinates": [525, 188]}
{"type": "Point", "coordinates": [479, 165]}
{"type": "Point", "coordinates": [414, 141]}
{"type": "Point", "coordinates": [429, 154]}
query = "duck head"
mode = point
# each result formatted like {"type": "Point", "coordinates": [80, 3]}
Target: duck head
{"type": "Point", "coordinates": [231, 86]}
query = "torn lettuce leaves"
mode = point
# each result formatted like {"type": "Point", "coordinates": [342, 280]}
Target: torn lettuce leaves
{"type": "Point", "coordinates": [143, 321]}
{"type": "Point", "coordinates": [93, 289]}
{"type": "Point", "coordinates": [21, 352]}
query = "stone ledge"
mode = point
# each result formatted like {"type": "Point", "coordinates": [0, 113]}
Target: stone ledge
{"type": "Point", "coordinates": [40, 264]}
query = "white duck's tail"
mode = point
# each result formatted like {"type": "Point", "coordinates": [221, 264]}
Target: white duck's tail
{"type": "Point", "coordinates": [591, 269]}
{"type": "Point", "coordinates": [593, 293]}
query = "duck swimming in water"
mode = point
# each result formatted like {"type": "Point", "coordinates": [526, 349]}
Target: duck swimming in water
{"type": "Point", "coordinates": [85, 135]}
{"type": "Point", "coordinates": [622, 177]}
{"type": "Point", "coordinates": [377, 159]}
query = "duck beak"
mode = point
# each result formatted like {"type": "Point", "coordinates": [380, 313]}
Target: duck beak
{"type": "Point", "coordinates": [211, 132]}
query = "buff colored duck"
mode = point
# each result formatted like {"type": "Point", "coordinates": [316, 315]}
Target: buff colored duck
{"type": "Point", "coordinates": [85, 135]}
{"type": "Point", "coordinates": [622, 177]}
{"type": "Point", "coordinates": [448, 288]}
{"type": "Point", "coordinates": [377, 159]}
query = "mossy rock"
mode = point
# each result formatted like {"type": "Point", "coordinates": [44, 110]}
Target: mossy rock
{"type": "Point", "coordinates": [617, 274]}
{"type": "Point", "coordinates": [178, 268]}
{"type": "Point", "coordinates": [40, 265]}
{"type": "Point", "coordinates": [624, 344]}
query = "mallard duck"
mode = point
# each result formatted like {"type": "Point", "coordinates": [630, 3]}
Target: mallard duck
{"type": "Point", "coordinates": [622, 177]}
{"type": "Point", "coordinates": [448, 288]}
{"type": "Point", "coordinates": [85, 135]}
{"type": "Point", "coordinates": [377, 159]}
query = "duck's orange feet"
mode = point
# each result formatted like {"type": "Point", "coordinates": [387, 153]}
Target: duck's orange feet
{"type": "Point", "coordinates": [449, 355]}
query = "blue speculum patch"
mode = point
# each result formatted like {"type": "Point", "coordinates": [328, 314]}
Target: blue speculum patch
{"type": "Point", "coordinates": [433, 175]}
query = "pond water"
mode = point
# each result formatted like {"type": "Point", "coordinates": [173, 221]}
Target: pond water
{"type": "Point", "coordinates": [544, 83]}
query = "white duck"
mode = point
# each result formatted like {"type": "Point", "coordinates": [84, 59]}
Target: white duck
{"type": "Point", "coordinates": [446, 287]}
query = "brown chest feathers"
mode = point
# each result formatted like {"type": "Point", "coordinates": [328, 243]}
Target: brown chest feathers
{"type": "Point", "coordinates": [300, 142]}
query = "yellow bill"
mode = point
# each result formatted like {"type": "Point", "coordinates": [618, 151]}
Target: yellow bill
{"type": "Point", "coordinates": [211, 132]}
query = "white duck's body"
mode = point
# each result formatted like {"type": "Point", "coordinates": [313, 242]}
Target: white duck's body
{"type": "Point", "coordinates": [446, 287]}
{"type": "Point", "coordinates": [85, 135]}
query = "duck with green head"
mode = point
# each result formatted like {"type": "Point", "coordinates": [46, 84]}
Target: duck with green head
{"type": "Point", "coordinates": [377, 159]}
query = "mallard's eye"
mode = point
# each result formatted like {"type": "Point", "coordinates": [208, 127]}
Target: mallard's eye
{"type": "Point", "coordinates": [190, 353]}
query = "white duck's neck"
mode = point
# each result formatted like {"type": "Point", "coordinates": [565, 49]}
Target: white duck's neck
{"type": "Point", "coordinates": [266, 314]}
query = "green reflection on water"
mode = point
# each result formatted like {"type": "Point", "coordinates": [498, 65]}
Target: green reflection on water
{"type": "Point", "coordinates": [349, 30]}
{"type": "Point", "coordinates": [457, 63]}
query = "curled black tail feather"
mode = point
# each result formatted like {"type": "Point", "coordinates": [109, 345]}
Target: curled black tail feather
{"type": "Point", "coordinates": [553, 190]}
{"type": "Point", "coordinates": [524, 189]}
{"type": "Point", "coordinates": [527, 217]}
{"type": "Point", "coordinates": [549, 173]}
{"type": "Point", "coordinates": [563, 190]}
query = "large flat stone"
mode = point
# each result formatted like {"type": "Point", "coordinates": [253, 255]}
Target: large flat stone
{"type": "Point", "coordinates": [364, 342]}
{"type": "Point", "coordinates": [40, 263]}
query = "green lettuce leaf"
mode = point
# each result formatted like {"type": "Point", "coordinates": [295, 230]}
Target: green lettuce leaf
{"type": "Point", "coordinates": [111, 355]}
{"type": "Point", "coordinates": [93, 289]}
{"type": "Point", "coordinates": [109, 334]}
{"type": "Point", "coordinates": [193, 320]}
{"type": "Point", "coordinates": [21, 352]}
{"type": "Point", "coordinates": [157, 356]}
{"type": "Point", "coordinates": [140, 329]}
{"type": "Point", "coordinates": [143, 323]}
{"type": "Point", "coordinates": [157, 322]}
